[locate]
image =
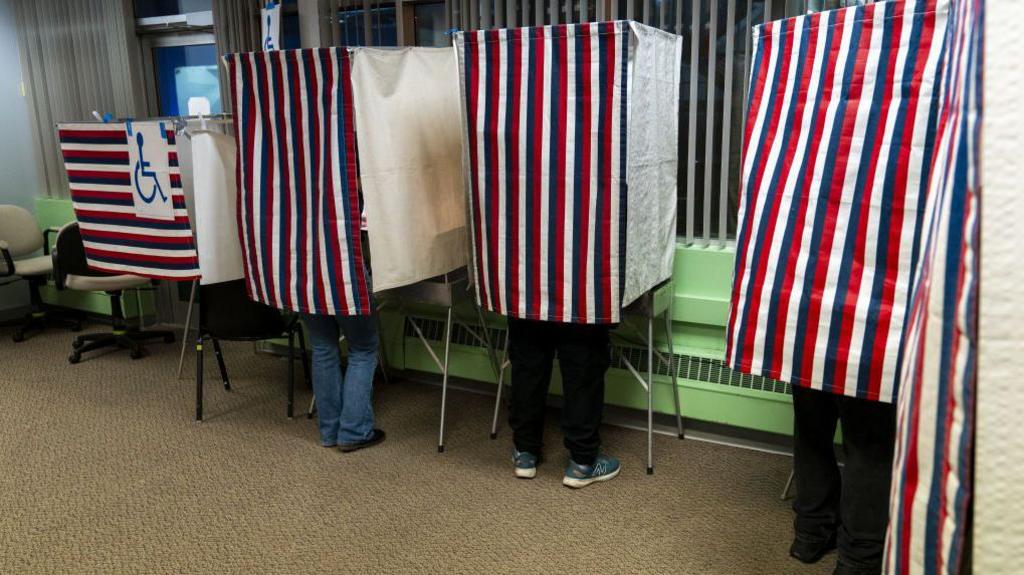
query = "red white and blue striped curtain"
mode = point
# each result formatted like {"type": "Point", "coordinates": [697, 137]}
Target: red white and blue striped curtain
{"type": "Point", "coordinates": [117, 238]}
{"type": "Point", "coordinates": [298, 202]}
{"type": "Point", "coordinates": [932, 481]}
{"type": "Point", "coordinates": [839, 137]}
{"type": "Point", "coordinates": [546, 117]}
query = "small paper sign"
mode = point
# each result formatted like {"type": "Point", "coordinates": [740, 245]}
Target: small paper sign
{"type": "Point", "coordinates": [151, 178]}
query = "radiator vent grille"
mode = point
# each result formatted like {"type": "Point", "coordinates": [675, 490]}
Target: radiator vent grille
{"type": "Point", "coordinates": [690, 367]}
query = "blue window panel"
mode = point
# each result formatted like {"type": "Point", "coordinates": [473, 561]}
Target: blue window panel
{"type": "Point", "coordinates": [382, 24]}
{"type": "Point", "coordinates": [151, 8]}
{"type": "Point", "coordinates": [183, 72]}
{"type": "Point", "coordinates": [429, 24]}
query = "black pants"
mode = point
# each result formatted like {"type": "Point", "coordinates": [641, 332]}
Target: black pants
{"type": "Point", "coordinates": [583, 357]}
{"type": "Point", "coordinates": [854, 507]}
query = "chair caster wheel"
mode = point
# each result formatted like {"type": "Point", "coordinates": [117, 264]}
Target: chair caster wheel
{"type": "Point", "coordinates": [650, 471]}
{"type": "Point", "coordinates": [18, 336]}
{"type": "Point", "coordinates": [74, 358]}
{"type": "Point", "coordinates": [440, 449]}
{"type": "Point", "coordinates": [135, 353]}
{"type": "Point", "coordinates": [169, 338]}
{"type": "Point", "coordinates": [77, 344]}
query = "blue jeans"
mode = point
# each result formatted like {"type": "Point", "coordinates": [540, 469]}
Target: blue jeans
{"type": "Point", "coordinates": [344, 403]}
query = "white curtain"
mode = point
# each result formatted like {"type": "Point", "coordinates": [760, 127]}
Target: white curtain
{"type": "Point", "coordinates": [76, 57]}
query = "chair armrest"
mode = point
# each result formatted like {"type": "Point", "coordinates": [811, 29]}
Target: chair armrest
{"type": "Point", "coordinates": [46, 239]}
{"type": "Point", "coordinates": [8, 261]}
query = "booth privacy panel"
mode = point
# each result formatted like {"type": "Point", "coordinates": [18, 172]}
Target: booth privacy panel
{"type": "Point", "coordinates": [410, 162]}
{"type": "Point", "coordinates": [215, 193]}
{"type": "Point", "coordinates": [559, 190]}
{"type": "Point", "coordinates": [840, 134]}
{"type": "Point", "coordinates": [126, 192]}
{"type": "Point", "coordinates": [298, 201]}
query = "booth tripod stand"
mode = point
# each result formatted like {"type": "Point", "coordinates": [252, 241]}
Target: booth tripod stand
{"type": "Point", "coordinates": [654, 305]}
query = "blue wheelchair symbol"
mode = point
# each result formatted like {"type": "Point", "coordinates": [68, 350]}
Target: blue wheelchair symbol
{"type": "Point", "coordinates": [141, 166]}
{"type": "Point", "coordinates": [268, 43]}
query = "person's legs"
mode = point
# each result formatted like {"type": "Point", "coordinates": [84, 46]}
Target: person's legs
{"type": "Point", "coordinates": [531, 353]}
{"type": "Point", "coordinates": [323, 338]}
{"type": "Point", "coordinates": [869, 438]}
{"type": "Point", "coordinates": [816, 473]}
{"type": "Point", "coordinates": [356, 424]}
{"type": "Point", "coordinates": [583, 359]}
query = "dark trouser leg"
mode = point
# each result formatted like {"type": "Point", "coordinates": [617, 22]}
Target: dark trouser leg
{"type": "Point", "coordinates": [531, 353]}
{"type": "Point", "coordinates": [815, 414]}
{"type": "Point", "coordinates": [869, 437]}
{"type": "Point", "coordinates": [583, 358]}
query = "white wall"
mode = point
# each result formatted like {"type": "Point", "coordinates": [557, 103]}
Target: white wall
{"type": "Point", "coordinates": [19, 178]}
{"type": "Point", "coordinates": [999, 464]}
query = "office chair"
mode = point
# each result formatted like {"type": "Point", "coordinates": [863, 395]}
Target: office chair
{"type": "Point", "coordinates": [227, 313]}
{"type": "Point", "coordinates": [72, 272]}
{"type": "Point", "coordinates": [19, 239]}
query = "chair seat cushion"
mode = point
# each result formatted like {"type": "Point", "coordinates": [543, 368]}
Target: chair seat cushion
{"type": "Point", "coordinates": [104, 283]}
{"type": "Point", "coordinates": [37, 266]}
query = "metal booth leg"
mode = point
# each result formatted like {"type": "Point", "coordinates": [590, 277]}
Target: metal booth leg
{"type": "Point", "coordinates": [650, 394]}
{"type": "Point", "coordinates": [220, 364]}
{"type": "Point", "coordinates": [199, 378]}
{"type": "Point", "coordinates": [501, 385]}
{"type": "Point", "coordinates": [444, 377]}
{"type": "Point", "coordinates": [291, 372]}
{"type": "Point", "coordinates": [188, 324]}
{"type": "Point", "coordinates": [675, 373]}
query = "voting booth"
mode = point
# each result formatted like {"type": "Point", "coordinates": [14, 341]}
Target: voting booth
{"type": "Point", "coordinates": [126, 192]}
{"type": "Point", "coordinates": [570, 162]}
{"type": "Point", "coordinates": [301, 165]}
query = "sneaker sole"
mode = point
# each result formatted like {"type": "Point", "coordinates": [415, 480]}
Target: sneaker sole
{"type": "Point", "coordinates": [579, 483]}
{"type": "Point", "coordinates": [526, 473]}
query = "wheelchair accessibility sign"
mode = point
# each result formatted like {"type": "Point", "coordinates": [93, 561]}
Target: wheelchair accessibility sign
{"type": "Point", "coordinates": [151, 178]}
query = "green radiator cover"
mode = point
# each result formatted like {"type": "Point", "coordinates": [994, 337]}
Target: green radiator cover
{"type": "Point", "coordinates": [708, 390]}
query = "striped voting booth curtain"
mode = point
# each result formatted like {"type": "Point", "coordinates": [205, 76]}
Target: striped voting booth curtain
{"type": "Point", "coordinates": [838, 139]}
{"type": "Point", "coordinates": [932, 482]}
{"type": "Point", "coordinates": [545, 113]}
{"type": "Point", "coordinates": [298, 202]}
{"type": "Point", "coordinates": [119, 237]}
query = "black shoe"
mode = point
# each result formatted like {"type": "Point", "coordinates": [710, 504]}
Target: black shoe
{"type": "Point", "coordinates": [847, 569]}
{"type": "Point", "coordinates": [808, 551]}
{"type": "Point", "coordinates": [377, 437]}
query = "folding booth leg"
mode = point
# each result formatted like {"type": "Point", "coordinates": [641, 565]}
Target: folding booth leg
{"type": "Point", "coordinates": [312, 408]}
{"type": "Point", "coordinates": [199, 378]}
{"type": "Point", "coordinates": [304, 356]}
{"type": "Point", "coordinates": [220, 364]}
{"type": "Point", "coordinates": [486, 334]}
{"type": "Point", "coordinates": [382, 356]}
{"type": "Point", "coordinates": [650, 395]}
{"type": "Point", "coordinates": [444, 377]}
{"type": "Point", "coordinates": [188, 324]}
{"type": "Point", "coordinates": [501, 385]}
{"type": "Point", "coordinates": [675, 373]}
{"type": "Point", "coordinates": [789, 484]}
{"type": "Point", "coordinates": [291, 373]}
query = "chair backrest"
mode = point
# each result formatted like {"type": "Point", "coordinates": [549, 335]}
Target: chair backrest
{"type": "Point", "coordinates": [69, 256]}
{"type": "Point", "coordinates": [226, 312]}
{"type": "Point", "coordinates": [19, 230]}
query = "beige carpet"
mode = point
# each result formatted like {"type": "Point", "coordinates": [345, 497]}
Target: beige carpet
{"type": "Point", "coordinates": [103, 470]}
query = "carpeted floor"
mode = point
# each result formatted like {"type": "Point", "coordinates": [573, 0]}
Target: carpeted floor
{"type": "Point", "coordinates": [103, 470]}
